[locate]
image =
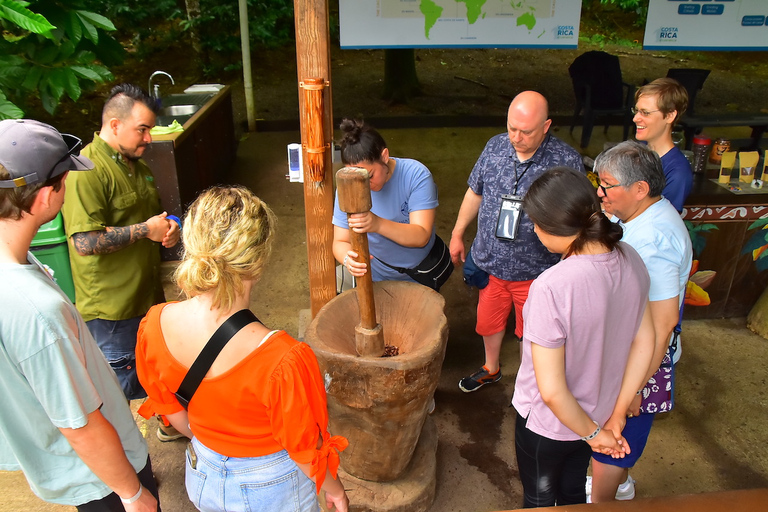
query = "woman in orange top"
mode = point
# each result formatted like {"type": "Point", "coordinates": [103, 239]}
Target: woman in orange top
{"type": "Point", "coordinates": [258, 421]}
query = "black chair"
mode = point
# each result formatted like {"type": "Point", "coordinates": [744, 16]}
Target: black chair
{"type": "Point", "coordinates": [692, 79]}
{"type": "Point", "coordinates": [600, 90]}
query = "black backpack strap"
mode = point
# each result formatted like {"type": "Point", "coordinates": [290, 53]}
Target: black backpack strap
{"type": "Point", "coordinates": [205, 358]}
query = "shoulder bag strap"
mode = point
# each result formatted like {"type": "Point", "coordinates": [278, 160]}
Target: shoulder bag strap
{"type": "Point", "coordinates": [205, 359]}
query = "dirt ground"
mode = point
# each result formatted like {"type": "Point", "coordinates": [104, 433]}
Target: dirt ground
{"type": "Point", "coordinates": [455, 82]}
{"type": "Point", "coordinates": [714, 440]}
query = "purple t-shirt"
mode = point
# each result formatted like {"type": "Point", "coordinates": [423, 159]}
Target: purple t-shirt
{"type": "Point", "coordinates": [592, 305]}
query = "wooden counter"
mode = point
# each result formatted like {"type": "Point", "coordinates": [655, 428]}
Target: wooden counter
{"type": "Point", "coordinates": [749, 500]}
{"type": "Point", "coordinates": [719, 224]}
{"type": "Point", "coordinates": [186, 163]}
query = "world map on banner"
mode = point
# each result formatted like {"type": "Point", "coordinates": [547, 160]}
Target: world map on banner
{"type": "Point", "coordinates": [467, 23]}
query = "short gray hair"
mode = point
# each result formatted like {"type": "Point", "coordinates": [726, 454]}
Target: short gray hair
{"type": "Point", "coordinates": [630, 162]}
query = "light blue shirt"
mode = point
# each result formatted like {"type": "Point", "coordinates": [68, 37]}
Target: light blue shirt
{"type": "Point", "coordinates": [660, 237]}
{"type": "Point", "coordinates": [410, 189]}
{"type": "Point", "coordinates": [52, 376]}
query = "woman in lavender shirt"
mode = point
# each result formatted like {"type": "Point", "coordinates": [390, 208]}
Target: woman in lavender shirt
{"type": "Point", "coordinates": [587, 341]}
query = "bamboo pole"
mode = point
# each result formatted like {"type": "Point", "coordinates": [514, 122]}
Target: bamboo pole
{"type": "Point", "coordinates": [313, 58]}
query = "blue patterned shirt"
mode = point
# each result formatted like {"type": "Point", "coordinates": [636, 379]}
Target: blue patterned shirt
{"type": "Point", "coordinates": [498, 171]}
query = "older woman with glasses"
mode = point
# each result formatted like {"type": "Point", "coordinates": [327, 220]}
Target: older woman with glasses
{"type": "Point", "coordinates": [658, 106]}
{"type": "Point", "coordinates": [587, 341]}
{"type": "Point", "coordinates": [259, 419]}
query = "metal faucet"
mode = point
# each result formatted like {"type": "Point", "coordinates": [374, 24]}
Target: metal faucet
{"type": "Point", "coordinates": [155, 91]}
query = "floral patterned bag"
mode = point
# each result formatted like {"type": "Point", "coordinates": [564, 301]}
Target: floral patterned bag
{"type": "Point", "coordinates": [658, 393]}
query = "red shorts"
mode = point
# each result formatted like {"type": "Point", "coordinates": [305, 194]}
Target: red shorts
{"type": "Point", "coordinates": [496, 302]}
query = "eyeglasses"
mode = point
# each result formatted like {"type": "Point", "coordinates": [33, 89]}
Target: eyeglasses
{"type": "Point", "coordinates": [643, 112]}
{"type": "Point", "coordinates": [605, 188]}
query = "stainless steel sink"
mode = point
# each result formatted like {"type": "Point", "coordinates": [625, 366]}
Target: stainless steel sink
{"type": "Point", "coordinates": [185, 99]}
{"type": "Point", "coordinates": [180, 107]}
{"type": "Point", "coordinates": [179, 110]}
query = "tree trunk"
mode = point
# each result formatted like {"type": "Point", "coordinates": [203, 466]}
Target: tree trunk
{"type": "Point", "coordinates": [193, 15]}
{"type": "Point", "coordinates": [400, 80]}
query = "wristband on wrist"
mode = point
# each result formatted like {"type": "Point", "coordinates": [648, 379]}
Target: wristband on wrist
{"type": "Point", "coordinates": [135, 497]}
{"type": "Point", "coordinates": [174, 219]}
{"type": "Point", "coordinates": [593, 434]}
{"type": "Point", "coordinates": [344, 263]}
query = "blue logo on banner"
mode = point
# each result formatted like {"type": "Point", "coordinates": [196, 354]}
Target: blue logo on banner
{"type": "Point", "coordinates": [668, 34]}
{"type": "Point", "coordinates": [565, 32]}
{"type": "Point", "coordinates": [752, 21]}
{"type": "Point", "coordinates": [688, 9]}
{"type": "Point", "coordinates": [712, 9]}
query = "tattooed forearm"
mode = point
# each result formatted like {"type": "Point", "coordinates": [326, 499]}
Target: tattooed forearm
{"type": "Point", "coordinates": [112, 239]}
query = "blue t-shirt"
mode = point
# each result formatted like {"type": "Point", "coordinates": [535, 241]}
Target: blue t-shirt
{"type": "Point", "coordinates": [679, 177]}
{"type": "Point", "coordinates": [498, 171]}
{"type": "Point", "coordinates": [411, 188]}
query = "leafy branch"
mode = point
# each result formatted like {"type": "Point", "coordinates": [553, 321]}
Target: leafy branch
{"type": "Point", "coordinates": [48, 50]}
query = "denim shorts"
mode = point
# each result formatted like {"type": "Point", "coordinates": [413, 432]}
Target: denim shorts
{"type": "Point", "coordinates": [117, 341]}
{"type": "Point", "coordinates": [272, 482]}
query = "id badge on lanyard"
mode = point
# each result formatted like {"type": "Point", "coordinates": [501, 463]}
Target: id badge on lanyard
{"type": "Point", "coordinates": [509, 217]}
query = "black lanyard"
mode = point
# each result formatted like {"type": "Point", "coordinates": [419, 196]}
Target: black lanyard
{"type": "Point", "coordinates": [518, 178]}
{"type": "Point", "coordinates": [529, 162]}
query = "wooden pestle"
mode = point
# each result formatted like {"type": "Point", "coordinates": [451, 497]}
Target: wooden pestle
{"type": "Point", "coordinates": [354, 190]}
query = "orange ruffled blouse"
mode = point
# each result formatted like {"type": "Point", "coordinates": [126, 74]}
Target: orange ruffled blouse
{"type": "Point", "coordinates": [273, 399]}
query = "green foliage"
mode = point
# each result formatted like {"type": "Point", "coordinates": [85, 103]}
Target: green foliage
{"type": "Point", "coordinates": [50, 49]}
{"type": "Point", "coordinates": [270, 24]}
{"type": "Point", "coordinates": [698, 233]}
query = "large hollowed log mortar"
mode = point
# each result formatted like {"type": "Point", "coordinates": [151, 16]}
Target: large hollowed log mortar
{"type": "Point", "coordinates": [379, 403]}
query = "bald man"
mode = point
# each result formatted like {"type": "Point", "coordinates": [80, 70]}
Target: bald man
{"type": "Point", "coordinates": [505, 246]}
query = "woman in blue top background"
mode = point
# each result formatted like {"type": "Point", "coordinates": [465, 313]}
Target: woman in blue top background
{"type": "Point", "coordinates": [658, 106]}
{"type": "Point", "coordinates": [401, 223]}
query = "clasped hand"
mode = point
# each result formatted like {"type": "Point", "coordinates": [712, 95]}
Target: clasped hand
{"type": "Point", "coordinates": [162, 230]}
{"type": "Point", "coordinates": [363, 222]}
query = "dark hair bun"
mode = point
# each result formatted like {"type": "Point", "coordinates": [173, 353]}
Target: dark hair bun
{"type": "Point", "coordinates": [351, 130]}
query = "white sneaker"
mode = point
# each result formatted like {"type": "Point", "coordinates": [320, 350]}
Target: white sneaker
{"type": "Point", "coordinates": [626, 491]}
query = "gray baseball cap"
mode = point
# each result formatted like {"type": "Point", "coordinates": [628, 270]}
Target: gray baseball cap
{"type": "Point", "coordinates": [33, 152]}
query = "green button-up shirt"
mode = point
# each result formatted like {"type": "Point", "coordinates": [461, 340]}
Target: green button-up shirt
{"type": "Point", "coordinates": [126, 283]}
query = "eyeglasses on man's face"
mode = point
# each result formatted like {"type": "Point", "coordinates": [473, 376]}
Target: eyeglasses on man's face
{"type": "Point", "coordinates": [643, 112]}
{"type": "Point", "coordinates": [605, 188]}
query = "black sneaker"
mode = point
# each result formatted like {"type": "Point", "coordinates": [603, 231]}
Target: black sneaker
{"type": "Point", "coordinates": [479, 379]}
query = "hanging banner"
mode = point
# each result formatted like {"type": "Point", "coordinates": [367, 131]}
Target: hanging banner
{"type": "Point", "coordinates": [707, 25]}
{"type": "Point", "coordinates": [459, 23]}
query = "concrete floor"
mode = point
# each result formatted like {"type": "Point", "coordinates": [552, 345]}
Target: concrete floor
{"type": "Point", "coordinates": [715, 439]}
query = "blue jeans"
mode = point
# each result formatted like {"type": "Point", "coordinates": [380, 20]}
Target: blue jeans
{"type": "Point", "coordinates": [117, 341]}
{"type": "Point", "coordinates": [272, 482]}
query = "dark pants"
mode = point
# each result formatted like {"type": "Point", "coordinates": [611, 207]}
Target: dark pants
{"type": "Point", "coordinates": [112, 503]}
{"type": "Point", "coordinates": [117, 341]}
{"type": "Point", "coordinates": [552, 472]}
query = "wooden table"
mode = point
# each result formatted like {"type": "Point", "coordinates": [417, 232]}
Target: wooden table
{"type": "Point", "coordinates": [750, 500]}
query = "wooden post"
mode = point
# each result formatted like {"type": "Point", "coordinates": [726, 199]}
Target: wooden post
{"type": "Point", "coordinates": [355, 197]}
{"type": "Point", "coordinates": [313, 61]}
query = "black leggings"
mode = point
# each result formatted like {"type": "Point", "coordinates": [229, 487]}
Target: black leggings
{"type": "Point", "coordinates": [552, 472]}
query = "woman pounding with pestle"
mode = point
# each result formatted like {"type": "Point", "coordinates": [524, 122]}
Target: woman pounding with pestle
{"type": "Point", "coordinates": [401, 223]}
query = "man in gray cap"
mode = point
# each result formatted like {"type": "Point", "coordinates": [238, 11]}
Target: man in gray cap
{"type": "Point", "coordinates": [64, 420]}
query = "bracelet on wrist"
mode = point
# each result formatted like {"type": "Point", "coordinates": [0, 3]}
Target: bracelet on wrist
{"type": "Point", "coordinates": [346, 258]}
{"type": "Point", "coordinates": [593, 434]}
{"type": "Point", "coordinates": [135, 497]}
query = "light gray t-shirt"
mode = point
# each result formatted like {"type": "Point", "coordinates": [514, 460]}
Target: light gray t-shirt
{"type": "Point", "coordinates": [592, 305]}
{"type": "Point", "coordinates": [53, 375]}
